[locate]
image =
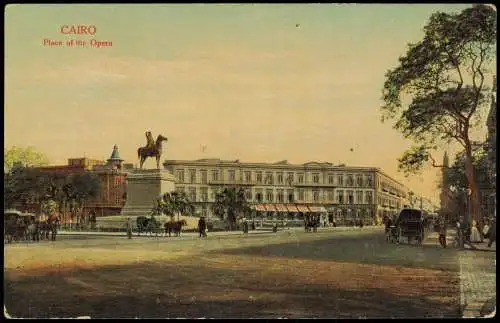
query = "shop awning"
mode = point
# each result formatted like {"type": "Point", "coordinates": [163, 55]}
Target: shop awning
{"type": "Point", "coordinates": [291, 208]}
{"type": "Point", "coordinates": [281, 208]}
{"type": "Point", "coordinates": [317, 209]}
{"type": "Point", "coordinates": [302, 208]}
{"type": "Point", "coordinates": [260, 207]}
{"type": "Point", "coordinates": [269, 207]}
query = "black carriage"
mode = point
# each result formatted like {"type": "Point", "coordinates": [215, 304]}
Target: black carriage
{"type": "Point", "coordinates": [410, 223]}
{"type": "Point", "coordinates": [16, 225]}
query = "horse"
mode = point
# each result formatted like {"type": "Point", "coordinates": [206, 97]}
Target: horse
{"type": "Point", "coordinates": [175, 227]}
{"type": "Point", "coordinates": [311, 222]}
{"type": "Point", "coordinates": [155, 151]}
{"type": "Point", "coordinates": [51, 227]}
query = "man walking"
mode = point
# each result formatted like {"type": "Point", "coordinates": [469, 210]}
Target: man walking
{"type": "Point", "coordinates": [202, 227]}
{"type": "Point", "coordinates": [129, 228]}
{"type": "Point", "coordinates": [442, 231]}
{"type": "Point", "coordinates": [493, 232]}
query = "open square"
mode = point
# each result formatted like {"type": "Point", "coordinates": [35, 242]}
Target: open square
{"type": "Point", "coordinates": [292, 274]}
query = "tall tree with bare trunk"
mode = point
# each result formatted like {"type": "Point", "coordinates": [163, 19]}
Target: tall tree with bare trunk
{"type": "Point", "coordinates": [436, 93]}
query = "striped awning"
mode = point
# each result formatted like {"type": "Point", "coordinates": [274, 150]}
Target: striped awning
{"type": "Point", "coordinates": [281, 208]}
{"type": "Point", "coordinates": [317, 209]}
{"type": "Point", "coordinates": [270, 207]}
{"type": "Point", "coordinates": [292, 208]}
{"type": "Point", "coordinates": [302, 208]}
{"type": "Point", "coordinates": [260, 207]}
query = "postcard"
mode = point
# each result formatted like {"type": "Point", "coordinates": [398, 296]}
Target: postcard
{"type": "Point", "coordinates": [250, 161]}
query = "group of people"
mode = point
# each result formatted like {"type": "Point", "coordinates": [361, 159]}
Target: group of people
{"type": "Point", "coordinates": [467, 234]}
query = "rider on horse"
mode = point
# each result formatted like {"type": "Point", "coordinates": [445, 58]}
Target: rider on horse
{"type": "Point", "coordinates": [150, 141]}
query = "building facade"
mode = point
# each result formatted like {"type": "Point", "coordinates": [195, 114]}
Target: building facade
{"type": "Point", "coordinates": [112, 176]}
{"type": "Point", "coordinates": [488, 193]}
{"type": "Point", "coordinates": [281, 189]}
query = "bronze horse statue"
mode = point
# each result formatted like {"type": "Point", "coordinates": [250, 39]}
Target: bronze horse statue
{"type": "Point", "coordinates": [153, 151]}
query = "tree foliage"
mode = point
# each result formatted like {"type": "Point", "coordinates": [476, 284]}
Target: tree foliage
{"type": "Point", "coordinates": [173, 203]}
{"type": "Point", "coordinates": [25, 157]}
{"type": "Point", "coordinates": [28, 186]}
{"type": "Point", "coordinates": [435, 93]}
{"type": "Point", "coordinates": [231, 202]}
{"type": "Point", "coordinates": [455, 177]}
{"type": "Point", "coordinates": [443, 76]}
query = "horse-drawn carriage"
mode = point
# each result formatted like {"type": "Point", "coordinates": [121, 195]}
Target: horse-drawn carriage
{"type": "Point", "coordinates": [19, 226]}
{"type": "Point", "coordinates": [410, 223]}
{"type": "Point", "coordinates": [152, 225]}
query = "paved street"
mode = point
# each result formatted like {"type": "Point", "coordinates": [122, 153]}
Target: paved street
{"type": "Point", "coordinates": [329, 274]}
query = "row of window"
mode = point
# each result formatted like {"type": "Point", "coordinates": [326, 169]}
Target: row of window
{"type": "Point", "coordinates": [288, 196]}
{"type": "Point", "coordinates": [384, 201]}
{"type": "Point", "coordinates": [386, 186]}
{"type": "Point", "coordinates": [261, 177]}
{"type": "Point", "coordinates": [339, 213]}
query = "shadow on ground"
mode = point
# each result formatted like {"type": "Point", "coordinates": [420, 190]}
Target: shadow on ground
{"type": "Point", "coordinates": [364, 249]}
{"type": "Point", "coordinates": [194, 288]}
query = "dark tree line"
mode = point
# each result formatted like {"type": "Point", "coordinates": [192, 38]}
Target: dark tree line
{"type": "Point", "coordinates": [33, 190]}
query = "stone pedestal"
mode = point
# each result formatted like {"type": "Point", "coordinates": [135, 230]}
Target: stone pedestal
{"type": "Point", "coordinates": [144, 187]}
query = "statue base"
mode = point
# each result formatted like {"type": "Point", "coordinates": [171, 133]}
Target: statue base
{"type": "Point", "coordinates": [144, 187]}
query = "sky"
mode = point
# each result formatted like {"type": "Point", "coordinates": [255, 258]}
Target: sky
{"type": "Point", "coordinates": [258, 83]}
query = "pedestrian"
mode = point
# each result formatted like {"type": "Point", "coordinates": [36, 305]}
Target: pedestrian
{"type": "Point", "coordinates": [202, 227]}
{"type": "Point", "coordinates": [245, 226]}
{"type": "Point", "coordinates": [253, 225]}
{"type": "Point", "coordinates": [486, 229]}
{"type": "Point", "coordinates": [129, 228]}
{"type": "Point", "coordinates": [493, 232]}
{"type": "Point", "coordinates": [460, 238]}
{"type": "Point", "coordinates": [475, 236]}
{"type": "Point", "coordinates": [442, 231]}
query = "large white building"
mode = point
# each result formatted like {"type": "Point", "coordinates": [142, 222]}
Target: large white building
{"type": "Point", "coordinates": [276, 189]}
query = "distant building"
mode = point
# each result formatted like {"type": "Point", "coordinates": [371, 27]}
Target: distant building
{"type": "Point", "coordinates": [488, 192]}
{"type": "Point", "coordinates": [113, 187]}
{"type": "Point", "coordinates": [273, 189]}
{"type": "Point", "coordinates": [75, 165]}
{"type": "Point", "coordinates": [112, 175]}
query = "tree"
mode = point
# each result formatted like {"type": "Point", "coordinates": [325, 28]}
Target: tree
{"type": "Point", "coordinates": [25, 187]}
{"type": "Point", "coordinates": [219, 207]}
{"type": "Point", "coordinates": [443, 78]}
{"type": "Point", "coordinates": [26, 157]}
{"type": "Point", "coordinates": [49, 207]}
{"type": "Point", "coordinates": [173, 203]}
{"type": "Point", "coordinates": [231, 201]}
{"type": "Point", "coordinates": [79, 189]}
{"type": "Point", "coordinates": [456, 178]}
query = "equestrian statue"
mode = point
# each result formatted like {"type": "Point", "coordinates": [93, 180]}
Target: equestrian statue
{"type": "Point", "coordinates": [152, 149]}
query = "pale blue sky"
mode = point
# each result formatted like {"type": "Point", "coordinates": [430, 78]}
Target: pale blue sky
{"type": "Point", "coordinates": [241, 79]}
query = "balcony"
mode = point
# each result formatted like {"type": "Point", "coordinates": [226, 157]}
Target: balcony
{"type": "Point", "coordinates": [230, 183]}
{"type": "Point", "coordinates": [309, 184]}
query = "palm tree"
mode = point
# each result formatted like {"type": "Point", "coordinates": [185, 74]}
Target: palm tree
{"type": "Point", "coordinates": [174, 203]}
{"type": "Point", "coordinates": [219, 206]}
{"type": "Point", "coordinates": [234, 202]}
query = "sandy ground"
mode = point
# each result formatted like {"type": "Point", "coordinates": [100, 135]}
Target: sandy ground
{"type": "Point", "coordinates": [295, 275]}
